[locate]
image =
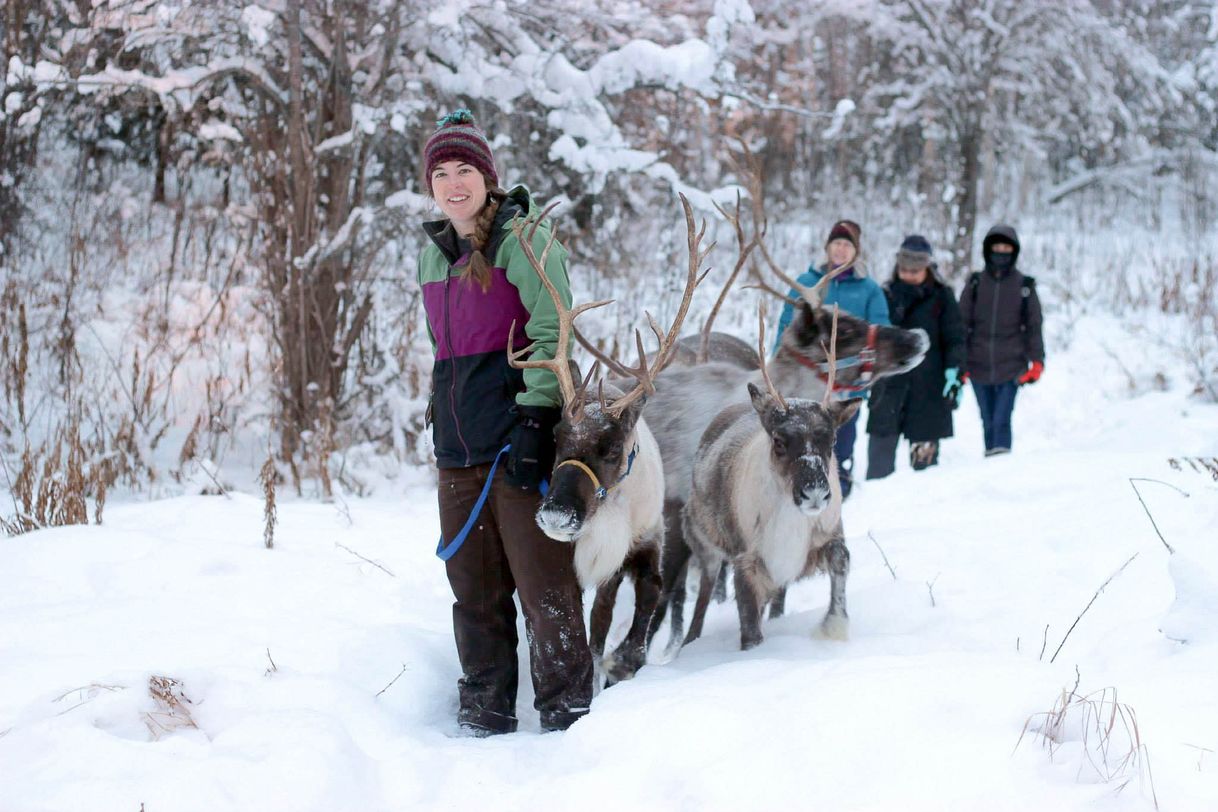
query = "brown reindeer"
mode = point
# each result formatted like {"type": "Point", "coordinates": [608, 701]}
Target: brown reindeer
{"type": "Point", "coordinates": [606, 489]}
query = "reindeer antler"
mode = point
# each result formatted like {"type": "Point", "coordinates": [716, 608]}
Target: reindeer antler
{"type": "Point", "coordinates": [765, 373]}
{"type": "Point", "coordinates": [614, 365]}
{"type": "Point", "coordinates": [831, 360]}
{"type": "Point", "coordinates": [643, 373]}
{"type": "Point", "coordinates": [572, 395]}
{"type": "Point", "coordinates": [743, 250]}
{"type": "Point", "coordinates": [750, 169]}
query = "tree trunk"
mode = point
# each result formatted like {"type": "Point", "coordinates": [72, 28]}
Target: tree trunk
{"type": "Point", "coordinates": [966, 204]}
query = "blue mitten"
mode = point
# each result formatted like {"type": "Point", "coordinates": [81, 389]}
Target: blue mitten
{"type": "Point", "coordinates": [953, 386]}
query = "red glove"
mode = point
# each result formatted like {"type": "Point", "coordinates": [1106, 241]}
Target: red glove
{"type": "Point", "coordinates": [1032, 375]}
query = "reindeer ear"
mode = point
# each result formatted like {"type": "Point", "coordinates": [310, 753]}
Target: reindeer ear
{"type": "Point", "coordinates": [805, 325]}
{"type": "Point", "coordinates": [761, 399]}
{"type": "Point", "coordinates": [843, 410]}
{"type": "Point", "coordinates": [630, 417]}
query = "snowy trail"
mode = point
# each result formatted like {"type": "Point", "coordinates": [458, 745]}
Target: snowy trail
{"type": "Point", "coordinates": [921, 709]}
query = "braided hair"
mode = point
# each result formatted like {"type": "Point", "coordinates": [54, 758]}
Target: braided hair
{"type": "Point", "coordinates": [479, 266]}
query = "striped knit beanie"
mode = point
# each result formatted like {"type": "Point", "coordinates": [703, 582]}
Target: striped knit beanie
{"type": "Point", "coordinates": [457, 138]}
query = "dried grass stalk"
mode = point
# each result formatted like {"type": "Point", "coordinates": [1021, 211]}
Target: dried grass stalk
{"type": "Point", "coordinates": [267, 477]}
{"type": "Point", "coordinates": [1106, 728]}
{"type": "Point", "coordinates": [173, 707]}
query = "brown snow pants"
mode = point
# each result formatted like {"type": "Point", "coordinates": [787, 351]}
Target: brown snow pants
{"type": "Point", "coordinates": [506, 552]}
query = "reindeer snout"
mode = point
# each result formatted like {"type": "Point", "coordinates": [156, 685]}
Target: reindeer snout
{"type": "Point", "coordinates": [559, 523]}
{"type": "Point", "coordinates": [921, 345]}
{"type": "Point", "coordinates": [917, 347]}
{"type": "Point", "coordinates": [812, 500]}
{"type": "Point", "coordinates": [812, 488]}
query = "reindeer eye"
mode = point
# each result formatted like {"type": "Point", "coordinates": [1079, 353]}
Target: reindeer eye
{"type": "Point", "coordinates": [780, 445]}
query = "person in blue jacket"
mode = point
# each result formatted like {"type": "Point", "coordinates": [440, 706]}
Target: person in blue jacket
{"type": "Point", "coordinates": [855, 293]}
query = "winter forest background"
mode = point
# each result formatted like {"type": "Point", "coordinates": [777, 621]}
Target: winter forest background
{"type": "Point", "coordinates": [211, 339]}
{"type": "Point", "coordinates": [209, 210]}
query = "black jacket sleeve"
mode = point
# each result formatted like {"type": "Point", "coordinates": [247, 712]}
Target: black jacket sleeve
{"type": "Point", "coordinates": [1034, 342]}
{"type": "Point", "coordinates": [968, 301]}
{"type": "Point", "coordinates": [951, 333]}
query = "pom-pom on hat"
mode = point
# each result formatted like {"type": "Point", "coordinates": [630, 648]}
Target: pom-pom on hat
{"type": "Point", "coordinates": [457, 138]}
{"type": "Point", "coordinates": [845, 230]}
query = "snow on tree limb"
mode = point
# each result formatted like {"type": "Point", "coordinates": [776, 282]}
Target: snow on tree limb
{"type": "Point", "coordinates": [180, 88]}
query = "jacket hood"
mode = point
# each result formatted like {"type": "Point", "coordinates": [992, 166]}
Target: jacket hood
{"type": "Point", "coordinates": [1000, 233]}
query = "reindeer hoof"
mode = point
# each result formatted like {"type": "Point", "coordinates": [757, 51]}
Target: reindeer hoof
{"type": "Point", "coordinates": [619, 668]}
{"type": "Point", "coordinates": [747, 643]}
{"type": "Point", "coordinates": [834, 627]}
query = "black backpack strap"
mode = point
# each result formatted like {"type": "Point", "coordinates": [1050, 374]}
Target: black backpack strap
{"type": "Point", "coordinates": [974, 280]}
{"type": "Point", "coordinates": [1026, 289]}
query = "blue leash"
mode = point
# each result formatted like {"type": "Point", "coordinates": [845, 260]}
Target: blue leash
{"type": "Point", "coordinates": [447, 551]}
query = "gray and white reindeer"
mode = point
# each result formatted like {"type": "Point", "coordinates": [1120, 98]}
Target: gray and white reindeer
{"type": "Point", "coordinates": [687, 397]}
{"type": "Point", "coordinates": [607, 485]}
{"type": "Point", "coordinates": [765, 498]}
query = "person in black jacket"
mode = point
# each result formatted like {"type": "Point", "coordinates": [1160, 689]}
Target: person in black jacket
{"type": "Point", "coordinates": [1002, 320]}
{"type": "Point", "coordinates": [918, 404]}
{"type": "Point", "coordinates": [477, 283]}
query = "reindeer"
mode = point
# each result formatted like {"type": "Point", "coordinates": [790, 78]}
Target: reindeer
{"type": "Point", "coordinates": [765, 498]}
{"type": "Point", "coordinates": [606, 489]}
{"type": "Point", "coordinates": [687, 398]}
{"type": "Point", "coordinates": [820, 354]}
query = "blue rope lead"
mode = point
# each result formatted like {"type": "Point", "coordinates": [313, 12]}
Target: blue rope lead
{"type": "Point", "coordinates": [447, 551]}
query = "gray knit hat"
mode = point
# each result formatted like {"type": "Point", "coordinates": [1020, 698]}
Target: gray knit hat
{"type": "Point", "coordinates": [915, 252]}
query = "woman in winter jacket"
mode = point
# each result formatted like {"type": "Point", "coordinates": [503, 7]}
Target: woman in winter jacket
{"type": "Point", "coordinates": [855, 293]}
{"type": "Point", "coordinates": [917, 404]}
{"type": "Point", "coordinates": [476, 282]}
{"type": "Point", "coordinates": [1002, 322]}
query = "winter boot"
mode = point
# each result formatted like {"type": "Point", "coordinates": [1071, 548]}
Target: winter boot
{"type": "Point", "coordinates": [923, 455]}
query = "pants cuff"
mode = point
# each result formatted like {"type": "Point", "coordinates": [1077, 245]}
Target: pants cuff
{"type": "Point", "coordinates": [487, 720]}
{"type": "Point", "coordinates": [560, 720]}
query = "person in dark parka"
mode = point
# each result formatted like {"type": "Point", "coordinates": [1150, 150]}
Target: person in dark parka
{"type": "Point", "coordinates": [918, 404]}
{"type": "Point", "coordinates": [1002, 320]}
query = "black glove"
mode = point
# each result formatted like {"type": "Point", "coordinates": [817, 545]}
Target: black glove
{"type": "Point", "coordinates": [532, 454]}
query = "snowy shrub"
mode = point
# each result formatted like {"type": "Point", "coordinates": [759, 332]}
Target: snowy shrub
{"type": "Point", "coordinates": [1098, 732]}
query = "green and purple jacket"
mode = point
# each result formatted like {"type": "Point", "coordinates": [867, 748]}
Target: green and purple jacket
{"type": "Point", "coordinates": [474, 389]}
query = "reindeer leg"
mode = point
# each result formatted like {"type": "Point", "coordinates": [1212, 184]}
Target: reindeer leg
{"type": "Point", "coordinates": [676, 638]}
{"type": "Point", "coordinates": [706, 588]}
{"type": "Point", "coordinates": [673, 565]}
{"type": "Point", "coordinates": [631, 655]}
{"type": "Point", "coordinates": [749, 600]}
{"type": "Point", "coordinates": [602, 613]}
{"type": "Point", "coordinates": [678, 594]}
{"type": "Point", "coordinates": [836, 625]}
{"type": "Point", "coordinates": [778, 604]}
{"type": "Point", "coordinates": [721, 584]}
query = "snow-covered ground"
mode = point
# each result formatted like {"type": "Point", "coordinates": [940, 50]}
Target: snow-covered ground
{"type": "Point", "coordinates": [318, 680]}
